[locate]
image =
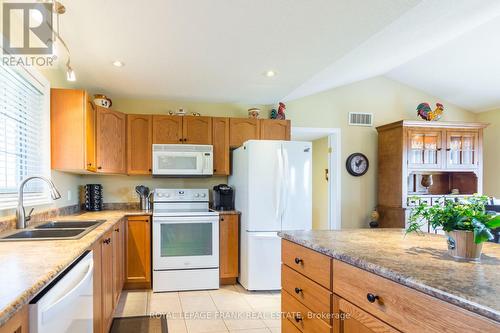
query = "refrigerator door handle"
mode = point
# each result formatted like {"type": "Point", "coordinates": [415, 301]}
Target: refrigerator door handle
{"type": "Point", "coordinates": [286, 189]}
{"type": "Point", "coordinates": [279, 184]}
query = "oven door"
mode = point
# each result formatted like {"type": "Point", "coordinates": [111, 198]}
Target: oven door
{"type": "Point", "coordinates": [185, 242]}
{"type": "Point", "coordinates": [177, 163]}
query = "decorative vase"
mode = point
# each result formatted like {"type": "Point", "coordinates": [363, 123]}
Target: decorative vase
{"type": "Point", "coordinates": [253, 113]}
{"type": "Point", "coordinates": [426, 182]}
{"type": "Point", "coordinates": [461, 245]}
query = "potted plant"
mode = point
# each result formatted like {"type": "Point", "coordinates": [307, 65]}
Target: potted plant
{"type": "Point", "coordinates": [466, 224]}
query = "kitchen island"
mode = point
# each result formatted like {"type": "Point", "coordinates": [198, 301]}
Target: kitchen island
{"type": "Point", "coordinates": [383, 281]}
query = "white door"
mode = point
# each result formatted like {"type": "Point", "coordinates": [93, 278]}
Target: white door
{"type": "Point", "coordinates": [265, 185]}
{"type": "Point", "coordinates": [261, 265]}
{"type": "Point", "coordinates": [185, 242]}
{"type": "Point", "coordinates": [297, 198]}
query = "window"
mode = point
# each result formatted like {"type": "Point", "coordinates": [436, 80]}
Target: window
{"type": "Point", "coordinates": [24, 135]}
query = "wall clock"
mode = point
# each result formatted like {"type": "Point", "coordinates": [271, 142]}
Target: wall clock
{"type": "Point", "coordinates": [357, 164]}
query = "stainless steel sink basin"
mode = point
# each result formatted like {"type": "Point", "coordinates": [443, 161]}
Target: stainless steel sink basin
{"type": "Point", "coordinates": [53, 230]}
{"type": "Point", "coordinates": [45, 234]}
{"type": "Point", "coordinates": [68, 224]}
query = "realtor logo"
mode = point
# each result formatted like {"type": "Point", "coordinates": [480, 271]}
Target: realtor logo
{"type": "Point", "coordinates": [27, 28]}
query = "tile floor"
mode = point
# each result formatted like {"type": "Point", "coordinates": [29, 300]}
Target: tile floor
{"type": "Point", "coordinates": [229, 309]}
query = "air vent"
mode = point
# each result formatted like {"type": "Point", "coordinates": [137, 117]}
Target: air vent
{"type": "Point", "coordinates": [360, 119]}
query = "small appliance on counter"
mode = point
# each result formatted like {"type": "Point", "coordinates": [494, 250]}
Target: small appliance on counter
{"type": "Point", "coordinates": [144, 197]}
{"type": "Point", "coordinates": [93, 197]}
{"type": "Point", "coordinates": [223, 197]}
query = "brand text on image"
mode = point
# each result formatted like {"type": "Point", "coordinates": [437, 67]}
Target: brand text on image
{"type": "Point", "coordinates": [28, 35]}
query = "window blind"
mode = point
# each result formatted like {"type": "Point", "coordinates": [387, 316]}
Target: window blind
{"type": "Point", "coordinates": [23, 137]}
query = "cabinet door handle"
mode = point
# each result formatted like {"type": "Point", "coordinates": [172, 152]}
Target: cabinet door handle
{"type": "Point", "coordinates": [298, 290]}
{"type": "Point", "coordinates": [117, 229]}
{"type": "Point", "coordinates": [298, 318]}
{"type": "Point", "coordinates": [439, 149]}
{"type": "Point", "coordinates": [107, 241]}
{"type": "Point", "coordinates": [448, 149]}
{"type": "Point", "coordinates": [371, 297]}
{"type": "Point", "coordinates": [185, 140]}
{"type": "Point", "coordinates": [180, 139]}
{"type": "Point", "coordinates": [222, 219]}
{"type": "Point", "coordinates": [99, 167]}
{"type": "Point", "coordinates": [299, 261]}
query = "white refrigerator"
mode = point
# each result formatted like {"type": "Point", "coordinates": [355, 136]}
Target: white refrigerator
{"type": "Point", "coordinates": [272, 188]}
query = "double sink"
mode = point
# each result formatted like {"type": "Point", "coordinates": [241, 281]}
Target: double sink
{"type": "Point", "coordinates": [53, 230]}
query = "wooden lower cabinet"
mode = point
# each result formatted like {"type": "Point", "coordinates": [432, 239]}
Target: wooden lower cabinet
{"type": "Point", "coordinates": [362, 302]}
{"type": "Point", "coordinates": [354, 320]}
{"type": "Point", "coordinates": [138, 253]}
{"type": "Point", "coordinates": [108, 254]}
{"type": "Point", "coordinates": [228, 247]}
{"type": "Point", "coordinates": [19, 323]}
{"type": "Point", "coordinates": [118, 243]}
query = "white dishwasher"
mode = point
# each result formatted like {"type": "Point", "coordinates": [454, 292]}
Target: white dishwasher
{"type": "Point", "coordinates": [66, 304]}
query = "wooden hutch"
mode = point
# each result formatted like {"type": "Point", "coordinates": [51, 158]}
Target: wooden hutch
{"type": "Point", "coordinates": [452, 152]}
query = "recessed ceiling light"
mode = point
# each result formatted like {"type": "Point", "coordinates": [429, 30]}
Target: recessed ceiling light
{"type": "Point", "coordinates": [270, 73]}
{"type": "Point", "coordinates": [118, 63]}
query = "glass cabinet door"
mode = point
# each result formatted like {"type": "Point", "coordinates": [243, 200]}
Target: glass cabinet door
{"type": "Point", "coordinates": [462, 149]}
{"type": "Point", "coordinates": [424, 150]}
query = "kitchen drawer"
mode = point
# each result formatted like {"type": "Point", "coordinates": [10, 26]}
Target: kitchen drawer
{"type": "Point", "coordinates": [308, 292]}
{"type": "Point", "coordinates": [312, 264]}
{"type": "Point", "coordinates": [302, 317]}
{"type": "Point", "coordinates": [403, 308]}
{"type": "Point", "coordinates": [288, 327]}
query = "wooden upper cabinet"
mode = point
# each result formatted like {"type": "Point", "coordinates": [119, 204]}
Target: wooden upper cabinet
{"type": "Point", "coordinates": [167, 129]}
{"type": "Point", "coordinates": [138, 253]}
{"type": "Point", "coordinates": [272, 129]}
{"type": "Point", "coordinates": [197, 130]}
{"type": "Point", "coordinates": [72, 129]}
{"type": "Point", "coordinates": [220, 141]}
{"type": "Point", "coordinates": [110, 140]}
{"type": "Point", "coordinates": [139, 144]}
{"type": "Point", "coordinates": [243, 129]}
{"type": "Point", "coordinates": [19, 323]}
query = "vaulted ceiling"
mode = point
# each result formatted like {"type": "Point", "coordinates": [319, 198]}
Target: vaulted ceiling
{"type": "Point", "coordinates": [219, 50]}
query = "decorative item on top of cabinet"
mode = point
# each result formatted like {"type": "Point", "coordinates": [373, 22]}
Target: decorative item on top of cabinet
{"type": "Point", "coordinates": [281, 111]}
{"type": "Point", "coordinates": [138, 253]}
{"type": "Point", "coordinates": [253, 113]}
{"type": "Point", "coordinates": [72, 131]}
{"type": "Point", "coordinates": [220, 141]}
{"type": "Point", "coordinates": [408, 148]}
{"type": "Point", "coordinates": [19, 323]}
{"type": "Point", "coordinates": [139, 142]}
{"type": "Point", "coordinates": [228, 246]}
{"type": "Point", "coordinates": [111, 141]}
{"type": "Point", "coordinates": [241, 130]}
{"type": "Point", "coordinates": [273, 129]}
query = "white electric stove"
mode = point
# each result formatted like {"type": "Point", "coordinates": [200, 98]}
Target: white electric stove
{"type": "Point", "coordinates": [185, 241]}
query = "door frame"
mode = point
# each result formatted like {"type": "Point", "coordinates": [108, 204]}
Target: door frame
{"type": "Point", "coordinates": [334, 167]}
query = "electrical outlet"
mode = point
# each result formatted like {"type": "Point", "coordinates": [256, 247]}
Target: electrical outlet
{"type": "Point", "coordinates": [69, 195]}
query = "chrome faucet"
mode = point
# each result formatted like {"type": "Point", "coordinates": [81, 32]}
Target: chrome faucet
{"type": "Point", "coordinates": [21, 213]}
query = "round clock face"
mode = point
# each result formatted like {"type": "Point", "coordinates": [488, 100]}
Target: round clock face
{"type": "Point", "coordinates": [357, 164]}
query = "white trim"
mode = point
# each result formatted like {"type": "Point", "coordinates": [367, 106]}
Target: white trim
{"type": "Point", "coordinates": [334, 167]}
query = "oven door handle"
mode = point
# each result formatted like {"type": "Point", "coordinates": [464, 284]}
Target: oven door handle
{"type": "Point", "coordinates": [185, 219]}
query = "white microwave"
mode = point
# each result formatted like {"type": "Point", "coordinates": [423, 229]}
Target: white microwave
{"type": "Point", "coordinates": [182, 160]}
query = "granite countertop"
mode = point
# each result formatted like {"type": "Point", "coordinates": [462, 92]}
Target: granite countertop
{"type": "Point", "coordinates": [28, 266]}
{"type": "Point", "coordinates": [418, 262]}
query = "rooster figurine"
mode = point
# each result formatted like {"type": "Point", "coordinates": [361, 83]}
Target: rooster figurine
{"type": "Point", "coordinates": [424, 111]}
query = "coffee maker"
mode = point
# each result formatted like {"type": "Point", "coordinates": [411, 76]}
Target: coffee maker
{"type": "Point", "coordinates": [223, 197]}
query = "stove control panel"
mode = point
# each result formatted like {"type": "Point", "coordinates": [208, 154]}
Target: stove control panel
{"type": "Point", "coordinates": [180, 195]}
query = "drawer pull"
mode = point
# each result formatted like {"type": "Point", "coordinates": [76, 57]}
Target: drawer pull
{"type": "Point", "coordinates": [297, 318]}
{"type": "Point", "coordinates": [298, 290]}
{"type": "Point", "coordinates": [371, 298]}
{"type": "Point", "coordinates": [298, 261]}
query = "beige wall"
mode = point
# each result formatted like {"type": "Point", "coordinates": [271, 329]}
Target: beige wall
{"type": "Point", "coordinates": [389, 101]}
{"type": "Point", "coordinates": [491, 152]}
{"type": "Point", "coordinates": [320, 184]}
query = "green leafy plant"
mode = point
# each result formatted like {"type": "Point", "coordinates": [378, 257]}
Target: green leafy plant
{"type": "Point", "coordinates": [467, 214]}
